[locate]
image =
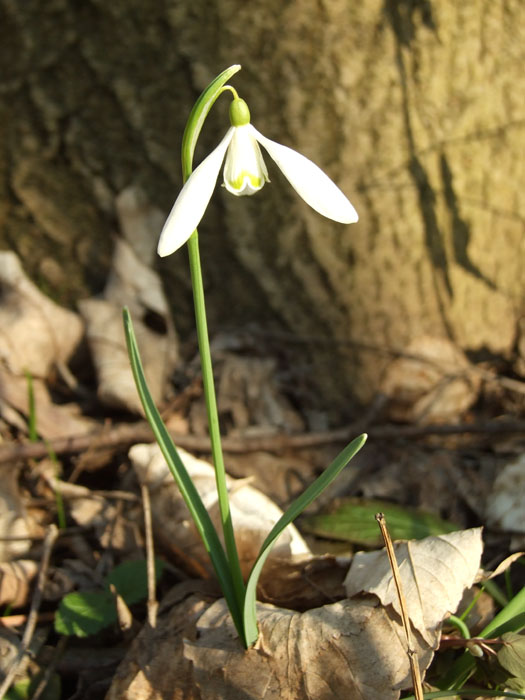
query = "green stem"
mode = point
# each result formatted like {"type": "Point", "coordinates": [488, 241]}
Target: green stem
{"type": "Point", "coordinates": [213, 417]}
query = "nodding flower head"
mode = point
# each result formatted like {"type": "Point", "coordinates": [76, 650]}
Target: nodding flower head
{"type": "Point", "coordinates": [245, 173]}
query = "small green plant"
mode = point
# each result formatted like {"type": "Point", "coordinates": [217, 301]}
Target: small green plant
{"type": "Point", "coordinates": [495, 658]}
{"type": "Point", "coordinates": [244, 174]}
{"type": "Point", "coordinates": [85, 613]}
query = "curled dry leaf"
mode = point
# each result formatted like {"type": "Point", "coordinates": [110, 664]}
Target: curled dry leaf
{"type": "Point", "coordinates": [15, 581]}
{"type": "Point", "coordinates": [434, 572]}
{"type": "Point", "coordinates": [137, 218]}
{"type": "Point", "coordinates": [14, 521]}
{"type": "Point", "coordinates": [249, 394]}
{"type": "Point", "coordinates": [35, 333]}
{"type": "Point", "coordinates": [52, 420]}
{"type": "Point", "coordinates": [133, 284]}
{"type": "Point", "coordinates": [432, 382]}
{"type": "Point", "coordinates": [349, 649]}
{"type": "Point", "coordinates": [253, 513]}
{"type": "Point", "coordinates": [354, 648]}
{"type": "Point", "coordinates": [506, 504]}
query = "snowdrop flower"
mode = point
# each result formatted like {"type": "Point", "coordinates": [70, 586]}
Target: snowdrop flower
{"type": "Point", "coordinates": [244, 174]}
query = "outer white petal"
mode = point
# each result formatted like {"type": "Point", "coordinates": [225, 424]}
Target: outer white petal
{"type": "Point", "coordinates": [310, 182]}
{"type": "Point", "coordinates": [193, 199]}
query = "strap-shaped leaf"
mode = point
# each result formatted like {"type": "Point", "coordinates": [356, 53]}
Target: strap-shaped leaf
{"type": "Point", "coordinates": [180, 474]}
{"type": "Point", "coordinates": [297, 507]}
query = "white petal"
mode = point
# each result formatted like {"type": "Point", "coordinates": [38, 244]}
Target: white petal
{"type": "Point", "coordinates": [244, 170]}
{"type": "Point", "coordinates": [310, 182]}
{"type": "Point", "coordinates": [193, 199]}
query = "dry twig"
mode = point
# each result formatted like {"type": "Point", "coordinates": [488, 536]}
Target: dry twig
{"type": "Point", "coordinates": [412, 654]}
{"type": "Point", "coordinates": [150, 557]}
{"type": "Point", "coordinates": [122, 436]}
{"type": "Point", "coordinates": [49, 541]}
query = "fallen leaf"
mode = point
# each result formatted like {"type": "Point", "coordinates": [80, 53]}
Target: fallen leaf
{"type": "Point", "coordinates": [432, 382]}
{"type": "Point", "coordinates": [352, 649]}
{"type": "Point", "coordinates": [131, 283]}
{"type": "Point", "coordinates": [137, 218]}
{"type": "Point", "coordinates": [349, 649]}
{"type": "Point", "coordinates": [253, 513]}
{"type": "Point", "coordinates": [512, 654]}
{"type": "Point", "coordinates": [52, 420]}
{"type": "Point", "coordinates": [35, 333]}
{"type": "Point", "coordinates": [14, 520]}
{"type": "Point", "coordinates": [250, 399]}
{"type": "Point", "coordinates": [434, 573]}
{"type": "Point", "coordinates": [352, 520]}
{"type": "Point", "coordinates": [16, 580]}
{"type": "Point", "coordinates": [505, 507]}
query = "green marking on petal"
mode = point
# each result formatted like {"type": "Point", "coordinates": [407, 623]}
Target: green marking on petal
{"type": "Point", "coordinates": [238, 183]}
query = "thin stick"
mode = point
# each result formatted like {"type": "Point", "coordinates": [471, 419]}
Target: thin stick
{"type": "Point", "coordinates": [412, 654]}
{"type": "Point", "coordinates": [32, 618]}
{"type": "Point", "coordinates": [150, 557]}
{"type": "Point", "coordinates": [121, 436]}
{"type": "Point", "coordinates": [57, 655]}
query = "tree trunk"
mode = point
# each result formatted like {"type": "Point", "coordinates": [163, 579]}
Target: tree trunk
{"type": "Point", "coordinates": [413, 107]}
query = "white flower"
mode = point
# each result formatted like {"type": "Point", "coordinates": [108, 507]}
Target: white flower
{"type": "Point", "coordinates": [244, 174]}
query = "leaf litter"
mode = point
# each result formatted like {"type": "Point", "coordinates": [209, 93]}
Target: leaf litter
{"type": "Point", "coordinates": [329, 624]}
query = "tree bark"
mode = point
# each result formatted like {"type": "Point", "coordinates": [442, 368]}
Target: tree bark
{"type": "Point", "coordinates": [413, 107]}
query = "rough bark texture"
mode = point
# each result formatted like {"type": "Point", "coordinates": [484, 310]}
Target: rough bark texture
{"type": "Point", "coordinates": [415, 108]}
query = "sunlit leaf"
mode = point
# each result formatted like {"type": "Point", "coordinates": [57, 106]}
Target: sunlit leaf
{"type": "Point", "coordinates": [297, 507]}
{"type": "Point", "coordinates": [85, 613]}
{"type": "Point", "coordinates": [187, 488]}
{"type": "Point", "coordinates": [352, 520]}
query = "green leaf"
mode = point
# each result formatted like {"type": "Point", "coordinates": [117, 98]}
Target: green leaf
{"type": "Point", "coordinates": [179, 472]}
{"type": "Point", "coordinates": [85, 613]}
{"type": "Point", "coordinates": [25, 688]}
{"type": "Point", "coordinates": [297, 507]}
{"type": "Point", "coordinates": [198, 115]}
{"type": "Point", "coordinates": [470, 693]}
{"type": "Point", "coordinates": [352, 520]}
{"type": "Point", "coordinates": [512, 654]}
{"type": "Point", "coordinates": [510, 619]}
{"type": "Point", "coordinates": [131, 579]}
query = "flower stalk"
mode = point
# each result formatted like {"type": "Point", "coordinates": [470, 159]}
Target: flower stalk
{"type": "Point", "coordinates": [244, 173]}
{"type": "Point", "coordinates": [213, 415]}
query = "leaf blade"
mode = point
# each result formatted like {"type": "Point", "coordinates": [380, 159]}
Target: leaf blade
{"type": "Point", "coordinates": [186, 486]}
{"type": "Point", "coordinates": [295, 509]}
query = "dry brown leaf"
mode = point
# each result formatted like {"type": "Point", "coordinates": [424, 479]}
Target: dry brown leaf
{"type": "Point", "coordinates": [35, 333]}
{"type": "Point", "coordinates": [133, 284]}
{"type": "Point", "coordinates": [52, 421]}
{"type": "Point", "coordinates": [249, 394]}
{"type": "Point", "coordinates": [137, 219]}
{"type": "Point", "coordinates": [505, 507]}
{"type": "Point", "coordinates": [15, 581]}
{"type": "Point", "coordinates": [434, 573]}
{"type": "Point", "coordinates": [253, 513]}
{"type": "Point", "coordinates": [354, 648]}
{"type": "Point", "coordinates": [501, 568]}
{"type": "Point", "coordinates": [349, 649]}
{"type": "Point", "coordinates": [14, 520]}
{"type": "Point", "coordinates": [434, 382]}
{"type": "Point", "coordinates": [282, 477]}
